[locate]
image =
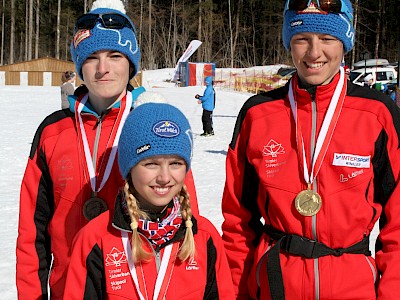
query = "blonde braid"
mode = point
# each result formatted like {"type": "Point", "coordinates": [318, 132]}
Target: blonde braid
{"type": "Point", "coordinates": [188, 246]}
{"type": "Point", "coordinates": [138, 252]}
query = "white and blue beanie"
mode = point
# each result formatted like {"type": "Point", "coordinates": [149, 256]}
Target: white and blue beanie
{"type": "Point", "coordinates": [335, 24]}
{"type": "Point", "coordinates": [88, 41]}
{"type": "Point", "coordinates": [154, 129]}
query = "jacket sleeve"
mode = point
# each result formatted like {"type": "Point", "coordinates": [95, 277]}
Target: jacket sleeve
{"type": "Point", "coordinates": [208, 94]}
{"type": "Point", "coordinates": [387, 192]}
{"type": "Point", "coordinates": [241, 227]}
{"type": "Point", "coordinates": [219, 282]}
{"type": "Point", "coordinates": [33, 243]}
{"type": "Point", "coordinates": [85, 276]}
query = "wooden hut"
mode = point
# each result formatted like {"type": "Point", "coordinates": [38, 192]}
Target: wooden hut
{"type": "Point", "coordinates": [43, 71]}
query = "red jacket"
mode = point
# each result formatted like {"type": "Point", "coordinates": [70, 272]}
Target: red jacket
{"type": "Point", "coordinates": [264, 175]}
{"type": "Point", "coordinates": [99, 264]}
{"type": "Point", "coordinates": [53, 191]}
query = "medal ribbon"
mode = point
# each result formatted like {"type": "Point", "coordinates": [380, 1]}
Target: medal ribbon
{"type": "Point", "coordinates": [164, 274]}
{"type": "Point", "coordinates": [327, 128]}
{"type": "Point", "coordinates": [126, 104]}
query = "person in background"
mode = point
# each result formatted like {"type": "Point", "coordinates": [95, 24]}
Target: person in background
{"type": "Point", "coordinates": [155, 246]}
{"type": "Point", "coordinates": [72, 173]}
{"type": "Point", "coordinates": [310, 169]}
{"type": "Point", "coordinates": [207, 101]}
{"type": "Point", "coordinates": [67, 87]}
{"type": "Point", "coordinates": [369, 81]}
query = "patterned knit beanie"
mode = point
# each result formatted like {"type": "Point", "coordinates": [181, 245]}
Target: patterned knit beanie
{"type": "Point", "coordinates": [88, 41]}
{"type": "Point", "coordinates": [154, 129]}
{"type": "Point", "coordinates": [312, 20]}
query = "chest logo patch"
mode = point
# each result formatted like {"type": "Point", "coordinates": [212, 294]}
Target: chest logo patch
{"type": "Point", "coordinates": [273, 148]}
{"type": "Point", "coordinates": [115, 257]}
{"type": "Point", "coordinates": [192, 265]}
{"type": "Point", "coordinates": [351, 160]}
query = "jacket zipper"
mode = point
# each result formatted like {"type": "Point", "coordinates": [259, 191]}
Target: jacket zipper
{"type": "Point", "coordinates": [156, 253]}
{"type": "Point", "coordinates": [315, 189]}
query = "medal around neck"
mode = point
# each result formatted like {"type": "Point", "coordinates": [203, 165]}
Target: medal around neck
{"type": "Point", "coordinates": [308, 203]}
{"type": "Point", "coordinates": [94, 207]}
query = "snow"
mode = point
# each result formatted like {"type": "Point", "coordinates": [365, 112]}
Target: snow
{"type": "Point", "coordinates": [24, 107]}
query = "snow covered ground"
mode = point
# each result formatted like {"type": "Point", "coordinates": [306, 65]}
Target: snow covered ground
{"type": "Point", "coordinates": [23, 108]}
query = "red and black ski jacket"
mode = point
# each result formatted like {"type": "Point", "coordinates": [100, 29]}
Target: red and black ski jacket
{"type": "Point", "coordinates": [322, 256]}
{"type": "Point", "coordinates": [54, 190]}
{"type": "Point", "coordinates": [99, 264]}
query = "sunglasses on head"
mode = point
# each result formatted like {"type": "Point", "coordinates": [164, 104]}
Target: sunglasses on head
{"type": "Point", "coordinates": [328, 6]}
{"type": "Point", "coordinates": [110, 21]}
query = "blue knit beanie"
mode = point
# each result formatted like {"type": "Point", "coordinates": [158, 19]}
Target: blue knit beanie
{"type": "Point", "coordinates": [335, 24]}
{"type": "Point", "coordinates": [89, 41]}
{"type": "Point", "coordinates": [154, 129]}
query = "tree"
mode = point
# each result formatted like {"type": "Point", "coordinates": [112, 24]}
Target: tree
{"type": "Point", "coordinates": [239, 33]}
{"type": "Point", "coordinates": [58, 29]}
{"type": "Point", "coordinates": [37, 29]}
{"type": "Point", "coordinates": [30, 27]}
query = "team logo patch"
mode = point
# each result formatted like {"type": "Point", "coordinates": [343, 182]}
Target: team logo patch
{"type": "Point", "coordinates": [80, 35]}
{"type": "Point", "coordinates": [273, 149]}
{"type": "Point", "coordinates": [115, 257]}
{"type": "Point", "coordinates": [166, 129]}
{"type": "Point", "coordinates": [351, 160]}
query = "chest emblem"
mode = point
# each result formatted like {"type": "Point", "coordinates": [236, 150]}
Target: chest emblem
{"type": "Point", "coordinates": [115, 257]}
{"type": "Point", "coordinates": [273, 148]}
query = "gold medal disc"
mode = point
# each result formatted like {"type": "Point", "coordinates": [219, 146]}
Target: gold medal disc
{"type": "Point", "coordinates": [94, 207]}
{"type": "Point", "coordinates": [308, 203]}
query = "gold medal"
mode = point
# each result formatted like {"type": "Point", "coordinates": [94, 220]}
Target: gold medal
{"type": "Point", "coordinates": [308, 203]}
{"type": "Point", "coordinates": [94, 207]}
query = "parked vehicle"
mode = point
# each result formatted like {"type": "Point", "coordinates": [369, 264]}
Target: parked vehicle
{"type": "Point", "coordinates": [375, 62]}
{"type": "Point", "coordinates": [380, 75]}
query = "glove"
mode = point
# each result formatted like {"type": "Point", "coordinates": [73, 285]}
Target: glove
{"type": "Point", "coordinates": [197, 96]}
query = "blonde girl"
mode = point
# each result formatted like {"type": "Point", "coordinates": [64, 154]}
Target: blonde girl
{"type": "Point", "coordinates": [152, 247]}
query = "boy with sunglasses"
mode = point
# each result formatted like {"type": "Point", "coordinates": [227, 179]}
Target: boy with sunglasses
{"type": "Point", "coordinates": [310, 169]}
{"type": "Point", "coordinates": [72, 173]}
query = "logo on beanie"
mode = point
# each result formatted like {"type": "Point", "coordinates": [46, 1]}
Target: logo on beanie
{"type": "Point", "coordinates": [80, 35]}
{"type": "Point", "coordinates": [143, 148]}
{"type": "Point", "coordinates": [296, 23]}
{"type": "Point", "coordinates": [166, 129]}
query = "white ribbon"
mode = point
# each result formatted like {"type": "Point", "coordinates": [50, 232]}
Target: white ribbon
{"type": "Point", "coordinates": [88, 157]}
{"type": "Point", "coordinates": [309, 178]}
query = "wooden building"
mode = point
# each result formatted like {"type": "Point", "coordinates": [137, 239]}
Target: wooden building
{"type": "Point", "coordinates": [42, 72]}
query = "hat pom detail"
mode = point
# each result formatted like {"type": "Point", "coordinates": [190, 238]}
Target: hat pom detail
{"type": "Point", "coordinates": [149, 97]}
{"type": "Point", "coordinates": [113, 4]}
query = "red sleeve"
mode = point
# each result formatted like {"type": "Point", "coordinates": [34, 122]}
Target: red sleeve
{"type": "Point", "coordinates": [387, 191]}
{"type": "Point", "coordinates": [224, 280]}
{"type": "Point", "coordinates": [85, 276]}
{"type": "Point", "coordinates": [189, 182]}
{"type": "Point", "coordinates": [33, 243]}
{"type": "Point", "coordinates": [388, 258]}
{"type": "Point", "coordinates": [239, 211]}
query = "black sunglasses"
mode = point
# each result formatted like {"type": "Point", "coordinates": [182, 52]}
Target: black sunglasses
{"type": "Point", "coordinates": [111, 21]}
{"type": "Point", "coordinates": [328, 6]}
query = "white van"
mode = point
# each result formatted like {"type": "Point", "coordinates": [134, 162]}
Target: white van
{"type": "Point", "coordinates": [380, 75]}
{"type": "Point", "coordinates": [380, 70]}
